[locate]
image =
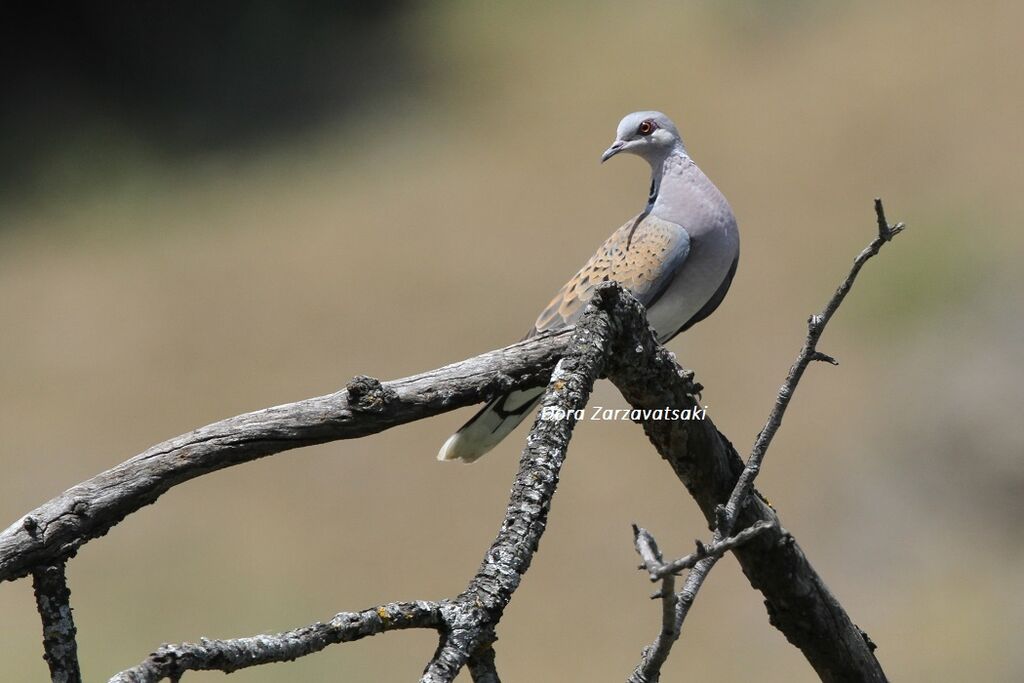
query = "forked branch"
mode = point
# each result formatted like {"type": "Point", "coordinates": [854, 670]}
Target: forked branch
{"type": "Point", "coordinates": [611, 338]}
{"type": "Point", "coordinates": [465, 623]}
{"type": "Point", "coordinates": [860, 664]}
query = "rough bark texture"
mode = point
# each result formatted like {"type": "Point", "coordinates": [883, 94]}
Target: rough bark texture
{"type": "Point", "coordinates": [53, 600]}
{"type": "Point", "coordinates": [836, 648]}
{"type": "Point", "coordinates": [798, 601]}
{"type": "Point", "coordinates": [88, 510]}
{"type": "Point", "coordinates": [653, 657]}
{"type": "Point", "coordinates": [465, 623]}
{"type": "Point", "coordinates": [482, 666]}
{"type": "Point", "coordinates": [171, 661]}
{"type": "Point", "coordinates": [474, 614]}
{"type": "Point", "coordinates": [613, 338]}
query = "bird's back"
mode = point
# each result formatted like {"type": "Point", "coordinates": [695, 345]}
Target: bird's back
{"type": "Point", "coordinates": [642, 256]}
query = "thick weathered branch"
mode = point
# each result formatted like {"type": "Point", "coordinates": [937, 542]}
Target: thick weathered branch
{"type": "Point", "coordinates": [477, 611]}
{"type": "Point", "coordinates": [171, 661]}
{"type": "Point", "coordinates": [53, 602]}
{"type": "Point", "coordinates": [88, 510]}
{"type": "Point", "coordinates": [465, 623]}
{"type": "Point", "coordinates": [612, 336]}
{"type": "Point", "coordinates": [798, 601]}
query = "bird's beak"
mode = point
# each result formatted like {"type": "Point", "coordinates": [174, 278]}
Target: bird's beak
{"type": "Point", "coordinates": [613, 150]}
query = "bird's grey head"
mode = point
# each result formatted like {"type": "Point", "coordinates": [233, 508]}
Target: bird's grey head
{"type": "Point", "coordinates": [648, 134]}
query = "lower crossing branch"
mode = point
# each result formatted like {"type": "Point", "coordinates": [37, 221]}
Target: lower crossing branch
{"type": "Point", "coordinates": [171, 661]}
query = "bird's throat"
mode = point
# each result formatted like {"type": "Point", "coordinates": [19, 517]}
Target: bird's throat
{"type": "Point", "coordinates": [665, 171]}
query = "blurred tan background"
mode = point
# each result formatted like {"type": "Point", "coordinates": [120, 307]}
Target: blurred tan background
{"type": "Point", "coordinates": [147, 289]}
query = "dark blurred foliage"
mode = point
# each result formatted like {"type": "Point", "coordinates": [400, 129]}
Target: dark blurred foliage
{"type": "Point", "coordinates": [185, 76]}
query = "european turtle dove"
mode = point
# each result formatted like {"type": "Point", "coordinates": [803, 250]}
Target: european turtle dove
{"type": "Point", "coordinates": [677, 257]}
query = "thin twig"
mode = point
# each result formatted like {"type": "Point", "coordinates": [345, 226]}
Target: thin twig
{"type": "Point", "coordinates": [653, 656]}
{"type": "Point", "coordinates": [675, 607]}
{"type": "Point", "coordinates": [711, 550]}
{"type": "Point", "coordinates": [53, 600]}
{"type": "Point", "coordinates": [808, 353]}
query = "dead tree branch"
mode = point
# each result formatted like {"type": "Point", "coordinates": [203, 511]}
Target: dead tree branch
{"type": "Point", "coordinates": [659, 571]}
{"type": "Point", "coordinates": [481, 666]}
{"type": "Point", "coordinates": [613, 338]}
{"type": "Point", "coordinates": [53, 600]}
{"type": "Point", "coordinates": [171, 661]}
{"type": "Point", "coordinates": [465, 623]}
{"type": "Point", "coordinates": [674, 607]}
{"type": "Point", "coordinates": [808, 353]}
{"type": "Point", "coordinates": [653, 656]}
{"type": "Point", "coordinates": [474, 614]}
{"type": "Point", "coordinates": [856, 661]}
{"type": "Point", "coordinates": [89, 510]}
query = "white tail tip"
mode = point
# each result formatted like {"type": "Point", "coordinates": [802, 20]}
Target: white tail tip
{"type": "Point", "coordinates": [447, 451]}
{"type": "Point", "coordinates": [492, 424]}
{"type": "Point", "coordinates": [455, 448]}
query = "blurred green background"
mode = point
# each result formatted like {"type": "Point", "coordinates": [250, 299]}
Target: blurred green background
{"type": "Point", "coordinates": [205, 212]}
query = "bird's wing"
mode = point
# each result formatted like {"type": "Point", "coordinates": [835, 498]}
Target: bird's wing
{"type": "Point", "coordinates": [643, 256]}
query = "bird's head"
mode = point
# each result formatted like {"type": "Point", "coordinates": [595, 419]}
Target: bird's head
{"type": "Point", "coordinates": [648, 134]}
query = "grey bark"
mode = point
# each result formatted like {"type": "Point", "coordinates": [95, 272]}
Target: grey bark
{"type": "Point", "coordinates": [612, 337]}
{"type": "Point", "coordinates": [171, 661]}
{"type": "Point", "coordinates": [476, 612]}
{"type": "Point", "coordinates": [88, 510]}
{"type": "Point", "coordinates": [465, 623]}
{"type": "Point", "coordinates": [482, 667]}
{"type": "Point", "coordinates": [53, 601]}
{"type": "Point", "coordinates": [798, 602]}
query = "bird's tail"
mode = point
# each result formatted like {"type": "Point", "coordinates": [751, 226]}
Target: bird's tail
{"type": "Point", "coordinates": [492, 424]}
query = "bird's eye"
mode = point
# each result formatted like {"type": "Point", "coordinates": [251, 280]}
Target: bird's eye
{"type": "Point", "coordinates": [646, 127]}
